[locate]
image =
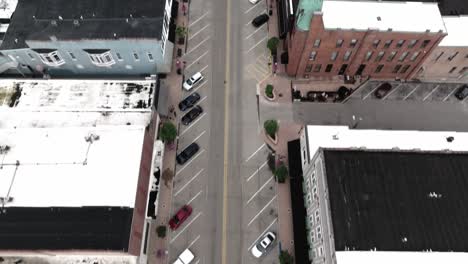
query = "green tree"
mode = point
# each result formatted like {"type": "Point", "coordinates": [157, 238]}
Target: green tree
{"type": "Point", "coordinates": [168, 132]}
{"type": "Point", "coordinates": [285, 257]}
{"type": "Point", "coordinates": [281, 173]}
{"type": "Point", "coordinates": [269, 90]}
{"type": "Point", "coordinates": [161, 231]}
{"type": "Point", "coordinates": [271, 127]}
{"type": "Point", "coordinates": [181, 31]}
{"type": "Point", "coordinates": [272, 44]}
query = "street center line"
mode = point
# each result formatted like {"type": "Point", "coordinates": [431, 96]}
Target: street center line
{"type": "Point", "coordinates": [433, 90]}
{"type": "Point", "coordinates": [263, 233]}
{"type": "Point", "coordinates": [412, 91]}
{"type": "Point", "coordinates": [199, 136]}
{"type": "Point", "coordinates": [193, 242]}
{"type": "Point", "coordinates": [196, 33]}
{"type": "Point", "coordinates": [253, 47]}
{"type": "Point", "coordinates": [195, 61]}
{"type": "Point", "coordinates": [195, 197]}
{"type": "Point", "coordinates": [196, 121]}
{"type": "Point", "coordinates": [199, 44]}
{"type": "Point", "coordinates": [193, 178]}
{"type": "Point", "coordinates": [261, 211]}
{"type": "Point", "coordinates": [198, 19]}
{"type": "Point", "coordinates": [256, 171]}
{"type": "Point", "coordinates": [196, 156]}
{"type": "Point", "coordinates": [259, 190]}
{"type": "Point", "coordinates": [185, 227]}
{"type": "Point", "coordinates": [255, 32]}
{"type": "Point", "coordinates": [253, 154]}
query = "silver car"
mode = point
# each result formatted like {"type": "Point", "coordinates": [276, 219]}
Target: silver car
{"type": "Point", "coordinates": [263, 245]}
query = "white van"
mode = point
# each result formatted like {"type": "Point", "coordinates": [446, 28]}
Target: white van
{"type": "Point", "coordinates": [193, 81]}
{"type": "Point", "coordinates": [185, 258]}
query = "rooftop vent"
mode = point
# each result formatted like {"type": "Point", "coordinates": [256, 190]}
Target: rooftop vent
{"type": "Point", "coordinates": [53, 22]}
{"type": "Point", "coordinates": [76, 22]}
{"type": "Point", "coordinates": [60, 17]}
{"type": "Point", "coordinates": [379, 18]}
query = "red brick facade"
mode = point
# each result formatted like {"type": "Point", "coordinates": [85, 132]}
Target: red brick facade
{"type": "Point", "coordinates": [361, 53]}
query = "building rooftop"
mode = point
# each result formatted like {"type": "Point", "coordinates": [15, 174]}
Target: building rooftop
{"type": "Point", "coordinates": [447, 7]}
{"type": "Point", "coordinates": [7, 7]}
{"type": "Point", "coordinates": [397, 16]}
{"type": "Point", "coordinates": [456, 29]}
{"type": "Point", "coordinates": [83, 19]}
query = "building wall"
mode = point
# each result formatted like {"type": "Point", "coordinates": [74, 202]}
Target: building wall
{"type": "Point", "coordinates": [302, 65]}
{"type": "Point", "coordinates": [446, 64]}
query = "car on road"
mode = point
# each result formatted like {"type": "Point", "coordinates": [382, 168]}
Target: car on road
{"type": "Point", "coordinates": [193, 81]}
{"type": "Point", "coordinates": [263, 245]}
{"type": "Point", "coordinates": [254, 1]}
{"type": "Point", "coordinates": [192, 115]}
{"type": "Point", "coordinates": [382, 90]}
{"type": "Point", "coordinates": [187, 153]}
{"type": "Point", "coordinates": [462, 92]}
{"type": "Point", "coordinates": [260, 20]}
{"type": "Point", "coordinates": [185, 257]}
{"type": "Point", "coordinates": [190, 101]}
{"type": "Point", "coordinates": [180, 217]}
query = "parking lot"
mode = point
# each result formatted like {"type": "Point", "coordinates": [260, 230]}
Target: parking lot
{"type": "Point", "coordinates": [411, 91]}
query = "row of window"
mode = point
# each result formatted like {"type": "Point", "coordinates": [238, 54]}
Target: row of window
{"type": "Point", "coordinates": [376, 43]}
{"type": "Point", "coordinates": [102, 59]}
{"type": "Point", "coordinates": [397, 69]}
{"type": "Point", "coordinates": [461, 71]}
{"type": "Point", "coordinates": [334, 55]}
{"type": "Point", "coordinates": [450, 57]}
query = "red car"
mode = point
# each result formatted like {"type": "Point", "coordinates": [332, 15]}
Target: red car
{"type": "Point", "coordinates": [180, 216]}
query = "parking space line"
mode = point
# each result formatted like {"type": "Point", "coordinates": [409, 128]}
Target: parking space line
{"type": "Point", "coordinates": [250, 9]}
{"type": "Point", "coordinates": [263, 11]}
{"type": "Point", "coordinates": [193, 242]}
{"type": "Point", "coordinates": [435, 88]}
{"type": "Point", "coordinates": [198, 261]}
{"type": "Point", "coordinates": [253, 154]}
{"type": "Point", "coordinates": [204, 68]}
{"type": "Point", "coordinates": [412, 91]}
{"type": "Point", "coordinates": [195, 61]}
{"type": "Point", "coordinates": [198, 19]}
{"type": "Point", "coordinates": [392, 91]}
{"type": "Point", "coordinates": [185, 185]}
{"type": "Point", "coordinates": [198, 32]}
{"type": "Point", "coordinates": [261, 211]}
{"type": "Point", "coordinates": [185, 227]}
{"type": "Point", "coordinates": [256, 44]}
{"type": "Point", "coordinates": [195, 197]}
{"type": "Point", "coordinates": [370, 92]}
{"type": "Point", "coordinates": [196, 156]}
{"type": "Point", "coordinates": [199, 44]}
{"type": "Point", "coordinates": [255, 32]}
{"type": "Point", "coordinates": [196, 121]}
{"type": "Point", "coordinates": [452, 92]}
{"type": "Point", "coordinates": [262, 234]}
{"type": "Point", "coordinates": [259, 190]}
{"type": "Point", "coordinates": [256, 171]}
{"type": "Point", "coordinates": [203, 99]}
{"type": "Point", "coordinates": [199, 86]}
{"type": "Point", "coordinates": [199, 136]}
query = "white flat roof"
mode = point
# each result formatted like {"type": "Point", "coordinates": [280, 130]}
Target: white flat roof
{"type": "Point", "coordinates": [457, 27]}
{"type": "Point", "coordinates": [7, 7]}
{"type": "Point", "coordinates": [399, 16]}
{"type": "Point", "coordinates": [401, 257]}
{"type": "Point", "coordinates": [52, 171]}
{"type": "Point", "coordinates": [343, 137]}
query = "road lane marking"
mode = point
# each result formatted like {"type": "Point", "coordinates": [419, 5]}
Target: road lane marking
{"type": "Point", "coordinates": [190, 161]}
{"type": "Point", "coordinates": [259, 190]}
{"type": "Point", "coordinates": [437, 86]}
{"type": "Point", "coordinates": [191, 125]}
{"type": "Point", "coordinates": [198, 32]}
{"type": "Point", "coordinates": [193, 242]}
{"type": "Point", "coordinates": [261, 211]}
{"type": "Point", "coordinates": [255, 31]}
{"type": "Point", "coordinates": [263, 233]}
{"type": "Point", "coordinates": [195, 61]}
{"type": "Point", "coordinates": [263, 39]}
{"type": "Point", "coordinates": [185, 227]}
{"type": "Point", "coordinates": [447, 97]}
{"type": "Point", "coordinates": [253, 154]}
{"type": "Point", "coordinates": [195, 197]}
{"type": "Point", "coordinates": [412, 91]}
{"type": "Point", "coordinates": [393, 90]}
{"type": "Point", "coordinates": [199, 44]}
{"type": "Point", "coordinates": [185, 185]}
{"type": "Point", "coordinates": [256, 171]}
{"type": "Point", "coordinates": [198, 19]}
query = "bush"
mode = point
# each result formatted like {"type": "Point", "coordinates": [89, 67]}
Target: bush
{"type": "Point", "coordinates": [285, 257]}
{"type": "Point", "coordinates": [281, 173]}
{"type": "Point", "coordinates": [168, 132]}
{"type": "Point", "coordinates": [161, 230]}
{"type": "Point", "coordinates": [181, 31]}
{"type": "Point", "coordinates": [272, 44]}
{"type": "Point", "coordinates": [269, 90]}
{"type": "Point", "coordinates": [271, 127]}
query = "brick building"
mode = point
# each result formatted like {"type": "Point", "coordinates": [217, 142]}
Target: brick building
{"type": "Point", "coordinates": [361, 39]}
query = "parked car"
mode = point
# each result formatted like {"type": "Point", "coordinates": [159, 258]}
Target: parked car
{"type": "Point", "coordinates": [185, 258]}
{"type": "Point", "coordinates": [192, 115]}
{"type": "Point", "coordinates": [382, 90]}
{"type": "Point", "coordinates": [190, 101]}
{"type": "Point", "coordinates": [254, 1]}
{"type": "Point", "coordinates": [260, 20]}
{"type": "Point", "coordinates": [180, 217]}
{"type": "Point", "coordinates": [192, 81]}
{"type": "Point", "coordinates": [462, 92]}
{"type": "Point", "coordinates": [187, 153]}
{"type": "Point", "coordinates": [263, 245]}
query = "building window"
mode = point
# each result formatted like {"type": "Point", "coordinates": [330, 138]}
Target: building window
{"type": "Point", "coordinates": [439, 55]}
{"type": "Point", "coordinates": [319, 232]}
{"type": "Point", "coordinates": [405, 69]}
{"type": "Point", "coordinates": [329, 68]}
{"type": "Point", "coordinates": [391, 56]}
{"type": "Point", "coordinates": [353, 43]}
{"type": "Point", "coordinates": [368, 55]}
{"type": "Point", "coordinates": [308, 68]}
{"type": "Point", "coordinates": [312, 236]}
{"type": "Point", "coordinates": [135, 56]}
{"type": "Point", "coordinates": [379, 68]}
{"type": "Point", "coordinates": [397, 68]}
{"type": "Point", "coordinates": [453, 69]}
{"type": "Point", "coordinates": [403, 56]}
{"type": "Point", "coordinates": [119, 57]}
{"type": "Point", "coordinates": [102, 60]}
{"type": "Point", "coordinates": [425, 43]}
{"type": "Point", "coordinates": [52, 58]}
{"type": "Point", "coordinates": [317, 67]}
{"type": "Point", "coordinates": [380, 56]}
{"type": "Point", "coordinates": [317, 43]}
{"type": "Point", "coordinates": [150, 57]}
{"type": "Point", "coordinates": [31, 56]}
{"type": "Point", "coordinates": [320, 251]}
{"type": "Point", "coordinates": [339, 43]}
{"type": "Point", "coordinates": [347, 55]}
{"type": "Point", "coordinates": [412, 43]}
{"type": "Point", "coordinates": [334, 55]}
{"type": "Point", "coordinates": [72, 56]}
{"type": "Point", "coordinates": [463, 70]}
{"type": "Point", "coordinates": [343, 69]}
{"type": "Point", "coordinates": [312, 55]}
{"type": "Point", "coordinates": [414, 56]}
{"type": "Point", "coordinates": [388, 43]}
{"type": "Point", "coordinates": [400, 43]}
{"type": "Point", "coordinates": [376, 43]}
{"type": "Point", "coordinates": [451, 57]}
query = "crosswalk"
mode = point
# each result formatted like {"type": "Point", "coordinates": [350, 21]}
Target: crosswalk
{"type": "Point", "coordinates": [259, 69]}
